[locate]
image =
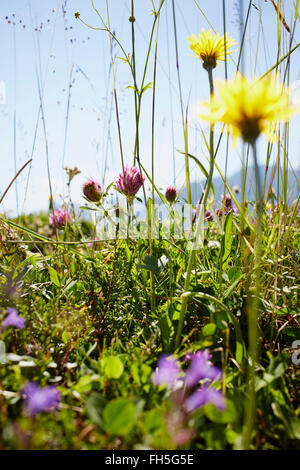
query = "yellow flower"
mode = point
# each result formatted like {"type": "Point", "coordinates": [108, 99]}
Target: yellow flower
{"type": "Point", "coordinates": [250, 107]}
{"type": "Point", "coordinates": [210, 49]}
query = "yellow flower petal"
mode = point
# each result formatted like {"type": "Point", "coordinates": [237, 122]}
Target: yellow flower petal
{"type": "Point", "coordinates": [250, 107]}
{"type": "Point", "coordinates": [210, 49]}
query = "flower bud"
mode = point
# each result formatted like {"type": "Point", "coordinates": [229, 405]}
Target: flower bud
{"type": "Point", "coordinates": [92, 190]}
{"type": "Point", "coordinates": [171, 194]}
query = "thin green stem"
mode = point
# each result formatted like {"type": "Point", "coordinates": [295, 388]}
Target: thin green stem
{"type": "Point", "coordinates": [132, 20]}
{"type": "Point", "coordinates": [152, 283]}
{"type": "Point", "coordinates": [240, 59]}
{"type": "Point", "coordinates": [115, 89]}
{"type": "Point", "coordinates": [184, 121]}
{"type": "Point", "coordinates": [107, 28]}
{"type": "Point", "coordinates": [141, 90]}
{"type": "Point", "coordinates": [192, 256]}
{"type": "Point", "coordinates": [253, 314]}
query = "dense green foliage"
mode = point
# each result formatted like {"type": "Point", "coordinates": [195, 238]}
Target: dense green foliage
{"type": "Point", "coordinates": [90, 331]}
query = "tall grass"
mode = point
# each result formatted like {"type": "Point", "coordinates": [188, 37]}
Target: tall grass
{"type": "Point", "coordinates": [146, 297]}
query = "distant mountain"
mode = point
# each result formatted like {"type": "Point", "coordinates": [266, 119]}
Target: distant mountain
{"type": "Point", "coordinates": [236, 180]}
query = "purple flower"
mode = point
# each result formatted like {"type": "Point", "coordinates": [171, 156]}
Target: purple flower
{"type": "Point", "coordinates": [219, 213]}
{"type": "Point", "coordinates": [205, 354]}
{"type": "Point", "coordinates": [227, 203]}
{"type": "Point", "coordinates": [201, 368]}
{"type": "Point", "coordinates": [130, 182]}
{"type": "Point", "coordinates": [171, 194]}
{"type": "Point", "coordinates": [167, 372]}
{"type": "Point", "coordinates": [59, 218]}
{"type": "Point", "coordinates": [38, 400]}
{"type": "Point", "coordinates": [209, 216]}
{"type": "Point", "coordinates": [92, 190]}
{"type": "Point", "coordinates": [13, 319]}
{"type": "Point", "coordinates": [203, 396]}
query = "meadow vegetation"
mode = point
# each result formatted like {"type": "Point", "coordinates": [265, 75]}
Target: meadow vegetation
{"type": "Point", "coordinates": [165, 342]}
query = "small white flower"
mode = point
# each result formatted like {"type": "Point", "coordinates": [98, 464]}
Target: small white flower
{"type": "Point", "coordinates": [213, 244]}
{"type": "Point", "coordinates": [56, 379]}
{"type": "Point", "coordinates": [14, 357]}
{"type": "Point", "coordinates": [71, 365]}
{"type": "Point", "coordinates": [26, 364]}
{"type": "Point", "coordinates": [192, 272]}
{"type": "Point", "coordinates": [52, 365]}
{"type": "Point", "coordinates": [8, 394]}
{"type": "Point", "coordinates": [163, 260]}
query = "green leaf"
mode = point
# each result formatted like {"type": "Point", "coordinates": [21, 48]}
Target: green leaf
{"type": "Point", "coordinates": [166, 331]}
{"type": "Point", "coordinates": [128, 252]}
{"type": "Point", "coordinates": [65, 337]}
{"type": "Point", "coordinates": [209, 329]}
{"type": "Point", "coordinates": [84, 384]}
{"type": "Point", "coordinates": [240, 345]}
{"type": "Point", "coordinates": [150, 264]}
{"type": "Point", "coordinates": [107, 189]}
{"type": "Point", "coordinates": [239, 352]}
{"type": "Point", "coordinates": [221, 319]}
{"type": "Point", "coordinates": [149, 85]}
{"type": "Point", "coordinates": [94, 405]}
{"type": "Point", "coordinates": [227, 416]}
{"type": "Point", "coordinates": [119, 417]}
{"type": "Point", "coordinates": [202, 168]}
{"type": "Point", "coordinates": [227, 240]}
{"type": "Point", "coordinates": [141, 373]}
{"type": "Point", "coordinates": [153, 421]}
{"type": "Point", "coordinates": [133, 88]}
{"type": "Point", "coordinates": [113, 367]}
{"type": "Point", "coordinates": [214, 437]}
{"type": "Point", "coordinates": [295, 425]}
{"type": "Point", "coordinates": [124, 60]}
{"type": "Point", "coordinates": [54, 276]}
{"type": "Point", "coordinates": [234, 274]}
{"type": "Point", "coordinates": [283, 414]}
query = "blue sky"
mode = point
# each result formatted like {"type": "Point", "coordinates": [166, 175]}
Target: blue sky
{"type": "Point", "coordinates": [63, 44]}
